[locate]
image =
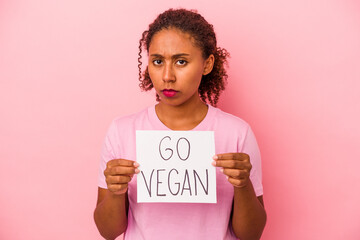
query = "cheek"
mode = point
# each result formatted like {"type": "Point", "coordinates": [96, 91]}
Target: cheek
{"type": "Point", "coordinates": [152, 74]}
{"type": "Point", "coordinates": [194, 74]}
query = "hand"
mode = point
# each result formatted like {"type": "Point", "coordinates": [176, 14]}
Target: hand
{"type": "Point", "coordinates": [236, 167]}
{"type": "Point", "coordinates": [118, 174]}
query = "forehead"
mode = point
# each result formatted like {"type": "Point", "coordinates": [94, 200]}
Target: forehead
{"type": "Point", "coordinates": [173, 41]}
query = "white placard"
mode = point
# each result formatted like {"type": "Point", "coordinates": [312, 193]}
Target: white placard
{"type": "Point", "coordinates": [175, 166]}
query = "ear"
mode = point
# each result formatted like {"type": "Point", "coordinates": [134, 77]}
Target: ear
{"type": "Point", "coordinates": [209, 64]}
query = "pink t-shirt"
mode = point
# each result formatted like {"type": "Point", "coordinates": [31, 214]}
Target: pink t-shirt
{"type": "Point", "coordinates": [182, 220]}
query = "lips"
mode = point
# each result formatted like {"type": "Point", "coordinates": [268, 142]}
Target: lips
{"type": "Point", "coordinates": [169, 92]}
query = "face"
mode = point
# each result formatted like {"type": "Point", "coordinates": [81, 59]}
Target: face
{"type": "Point", "coordinates": [176, 66]}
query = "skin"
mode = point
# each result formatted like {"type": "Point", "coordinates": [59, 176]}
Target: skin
{"type": "Point", "coordinates": [176, 62]}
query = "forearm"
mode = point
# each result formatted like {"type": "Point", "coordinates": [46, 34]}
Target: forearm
{"type": "Point", "coordinates": [110, 215]}
{"type": "Point", "coordinates": [249, 216]}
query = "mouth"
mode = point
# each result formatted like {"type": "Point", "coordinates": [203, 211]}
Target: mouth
{"type": "Point", "coordinates": [169, 92]}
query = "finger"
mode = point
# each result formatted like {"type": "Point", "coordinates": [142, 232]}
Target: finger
{"type": "Point", "coordinates": [122, 162]}
{"type": "Point", "coordinates": [238, 182]}
{"type": "Point", "coordinates": [232, 164]}
{"type": "Point", "coordinates": [235, 173]}
{"type": "Point", "coordinates": [120, 170]}
{"type": "Point", "coordinates": [118, 188]}
{"type": "Point", "coordinates": [229, 156]}
{"type": "Point", "coordinates": [118, 179]}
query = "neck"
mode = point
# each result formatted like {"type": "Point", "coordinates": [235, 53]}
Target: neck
{"type": "Point", "coordinates": [182, 117]}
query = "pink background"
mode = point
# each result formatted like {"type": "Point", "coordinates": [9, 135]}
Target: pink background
{"type": "Point", "coordinates": [67, 68]}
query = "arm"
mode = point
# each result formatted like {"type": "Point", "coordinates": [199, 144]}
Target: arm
{"type": "Point", "coordinates": [110, 214]}
{"type": "Point", "coordinates": [248, 216]}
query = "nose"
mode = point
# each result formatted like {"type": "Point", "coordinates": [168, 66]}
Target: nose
{"type": "Point", "coordinates": [168, 73]}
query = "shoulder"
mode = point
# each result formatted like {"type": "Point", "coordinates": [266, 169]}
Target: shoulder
{"type": "Point", "coordinates": [130, 119]}
{"type": "Point", "coordinates": [229, 120]}
{"type": "Point", "coordinates": [127, 123]}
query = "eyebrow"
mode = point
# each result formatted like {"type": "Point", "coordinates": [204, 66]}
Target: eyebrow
{"type": "Point", "coordinates": [174, 56]}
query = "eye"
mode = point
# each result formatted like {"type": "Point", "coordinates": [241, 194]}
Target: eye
{"type": "Point", "coordinates": [181, 62]}
{"type": "Point", "coordinates": [157, 62]}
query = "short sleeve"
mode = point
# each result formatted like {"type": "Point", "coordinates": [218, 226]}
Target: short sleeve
{"type": "Point", "coordinates": [107, 154]}
{"type": "Point", "coordinates": [251, 148]}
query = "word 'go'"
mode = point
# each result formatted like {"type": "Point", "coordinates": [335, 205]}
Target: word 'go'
{"type": "Point", "coordinates": [167, 153]}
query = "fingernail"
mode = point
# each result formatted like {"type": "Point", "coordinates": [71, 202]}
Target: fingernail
{"type": "Point", "coordinates": [136, 164]}
{"type": "Point", "coordinates": [221, 170]}
{"type": "Point", "coordinates": [213, 163]}
{"type": "Point", "coordinates": [137, 170]}
{"type": "Point", "coordinates": [215, 157]}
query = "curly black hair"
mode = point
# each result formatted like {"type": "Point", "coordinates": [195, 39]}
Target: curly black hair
{"type": "Point", "coordinates": [189, 21]}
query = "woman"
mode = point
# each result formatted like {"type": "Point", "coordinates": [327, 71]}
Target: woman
{"type": "Point", "coordinates": [186, 69]}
